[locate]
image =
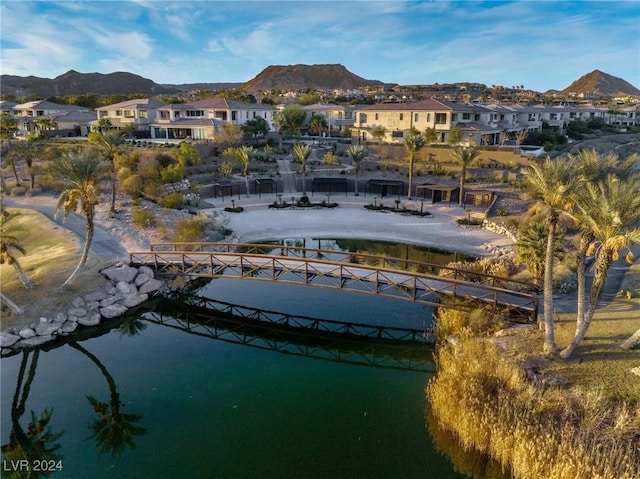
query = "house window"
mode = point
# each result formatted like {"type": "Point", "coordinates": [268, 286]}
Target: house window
{"type": "Point", "coordinates": [103, 113]}
{"type": "Point", "coordinates": [198, 133]}
{"type": "Point", "coordinates": [441, 118]}
{"type": "Point", "coordinates": [553, 116]}
{"type": "Point", "coordinates": [363, 117]}
{"type": "Point", "coordinates": [401, 116]}
{"type": "Point", "coordinates": [377, 116]}
{"type": "Point", "coordinates": [193, 113]}
{"type": "Point", "coordinates": [476, 118]}
{"type": "Point", "coordinates": [396, 134]}
{"type": "Point", "coordinates": [428, 117]}
{"type": "Point", "coordinates": [142, 114]}
{"type": "Point", "coordinates": [118, 112]}
{"type": "Point", "coordinates": [164, 115]}
{"type": "Point", "coordinates": [129, 114]}
{"type": "Point", "coordinates": [466, 116]}
{"type": "Point", "coordinates": [234, 116]}
{"type": "Point", "coordinates": [415, 117]}
{"type": "Point", "coordinates": [454, 117]}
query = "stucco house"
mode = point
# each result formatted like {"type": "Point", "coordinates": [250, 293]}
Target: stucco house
{"type": "Point", "coordinates": [69, 119]}
{"type": "Point", "coordinates": [135, 115]}
{"type": "Point", "coordinates": [199, 120]}
{"type": "Point", "coordinates": [338, 117]}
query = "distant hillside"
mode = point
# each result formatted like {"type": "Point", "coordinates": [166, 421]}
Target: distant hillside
{"type": "Point", "coordinates": [204, 86]}
{"type": "Point", "coordinates": [602, 84]}
{"type": "Point", "coordinates": [300, 77]}
{"type": "Point", "coordinates": [75, 83]}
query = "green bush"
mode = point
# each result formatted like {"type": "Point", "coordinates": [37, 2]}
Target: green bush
{"type": "Point", "coordinates": [173, 200]}
{"type": "Point", "coordinates": [143, 217]}
{"type": "Point", "coordinates": [190, 229]}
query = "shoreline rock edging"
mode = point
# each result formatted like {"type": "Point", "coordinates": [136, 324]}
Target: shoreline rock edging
{"type": "Point", "coordinates": [130, 287]}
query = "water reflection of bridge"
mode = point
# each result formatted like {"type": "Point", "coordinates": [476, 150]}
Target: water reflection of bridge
{"type": "Point", "coordinates": [340, 341]}
{"type": "Point", "coordinates": [397, 278]}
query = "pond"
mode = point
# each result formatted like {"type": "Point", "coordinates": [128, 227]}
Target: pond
{"type": "Point", "coordinates": [149, 399]}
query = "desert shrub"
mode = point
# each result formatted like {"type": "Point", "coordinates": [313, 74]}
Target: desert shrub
{"type": "Point", "coordinates": [132, 185]}
{"type": "Point", "coordinates": [18, 191]}
{"type": "Point", "coordinates": [190, 229]}
{"type": "Point", "coordinates": [172, 200]}
{"type": "Point", "coordinates": [143, 217]}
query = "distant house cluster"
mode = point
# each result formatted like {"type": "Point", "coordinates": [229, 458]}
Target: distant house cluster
{"type": "Point", "coordinates": [200, 120]}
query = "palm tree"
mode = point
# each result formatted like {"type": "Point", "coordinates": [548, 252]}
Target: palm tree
{"type": "Point", "coordinates": [80, 175]}
{"type": "Point", "coordinates": [593, 167]}
{"type": "Point", "coordinates": [531, 249]}
{"type": "Point", "coordinates": [465, 156]}
{"type": "Point", "coordinates": [357, 153]}
{"type": "Point", "coordinates": [26, 150]}
{"type": "Point", "coordinates": [301, 152]}
{"type": "Point", "coordinates": [10, 243]}
{"type": "Point", "coordinates": [413, 143]}
{"type": "Point", "coordinates": [109, 142]}
{"type": "Point", "coordinates": [609, 209]}
{"type": "Point", "coordinates": [555, 182]}
{"type": "Point", "coordinates": [113, 430]}
{"type": "Point", "coordinates": [245, 154]}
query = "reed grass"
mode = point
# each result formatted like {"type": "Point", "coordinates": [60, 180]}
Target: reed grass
{"type": "Point", "coordinates": [489, 404]}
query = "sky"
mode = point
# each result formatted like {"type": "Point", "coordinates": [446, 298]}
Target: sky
{"type": "Point", "coordinates": [540, 44]}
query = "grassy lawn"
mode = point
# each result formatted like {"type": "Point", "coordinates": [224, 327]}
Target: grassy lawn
{"type": "Point", "coordinates": [52, 253]}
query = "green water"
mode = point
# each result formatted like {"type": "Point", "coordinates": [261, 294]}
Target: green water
{"type": "Point", "coordinates": [199, 407]}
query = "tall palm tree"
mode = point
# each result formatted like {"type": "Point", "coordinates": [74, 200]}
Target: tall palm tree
{"type": "Point", "coordinates": [10, 243]}
{"type": "Point", "coordinates": [554, 182]}
{"type": "Point", "coordinates": [109, 142]}
{"type": "Point", "coordinates": [357, 153]}
{"type": "Point", "coordinates": [26, 151]}
{"type": "Point", "coordinates": [464, 156]}
{"type": "Point", "coordinates": [301, 152]}
{"type": "Point", "coordinates": [593, 167]}
{"type": "Point", "coordinates": [413, 143]}
{"type": "Point", "coordinates": [609, 208]}
{"type": "Point", "coordinates": [113, 430]}
{"type": "Point", "coordinates": [80, 175]}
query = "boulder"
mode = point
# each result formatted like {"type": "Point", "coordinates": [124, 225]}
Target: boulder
{"type": "Point", "coordinates": [69, 327]}
{"type": "Point", "coordinates": [141, 279]}
{"type": "Point", "coordinates": [33, 341]}
{"type": "Point", "coordinates": [60, 317]}
{"type": "Point", "coordinates": [47, 329]}
{"type": "Point", "coordinates": [134, 300]}
{"type": "Point", "coordinates": [146, 270]}
{"type": "Point", "coordinates": [95, 296]}
{"type": "Point", "coordinates": [27, 333]}
{"type": "Point", "coordinates": [90, 319]}
{"type": "Point", "coordinates": [77, 302]}
{"type": "Point", "coordinates": [113, 311]}
{"type": "Point", "coordinates": [150, 286]}
{"type": "Point", "coordinates": [123, 288]}
{"type": "Point", "coordinates": [77, 312]}
{"type": "Point", "coordinates": [8, 339]}
{"type": "Point", "coordinates": [108, 301]}
{"type": "Point", "coordinates": [120, 273]}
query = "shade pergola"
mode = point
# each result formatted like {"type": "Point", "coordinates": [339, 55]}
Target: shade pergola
{"type": "Point", "coordinates": [480, 198]}
{"type": "Point", "coordinates": [438, 192]}
{"type": "Point", "coordinates": [384, 187]}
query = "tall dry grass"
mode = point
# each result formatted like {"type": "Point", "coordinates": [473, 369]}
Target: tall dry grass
{"type": "Point", "coordinates": [490, 405]}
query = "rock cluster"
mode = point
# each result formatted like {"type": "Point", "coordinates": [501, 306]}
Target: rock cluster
{"type": "Point", "coordinates": [129, 287]}
{"type": "Point", "coordinates": [499, 229]}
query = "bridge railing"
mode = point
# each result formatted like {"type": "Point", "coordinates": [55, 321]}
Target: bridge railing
{"type": "Point", "coordinates": [389, 282]}
{"type": "Point", "coordinates": [381, 261]}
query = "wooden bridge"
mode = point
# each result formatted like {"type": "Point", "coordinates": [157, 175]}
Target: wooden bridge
{"type": "Point", "coordinates": [398, 278]}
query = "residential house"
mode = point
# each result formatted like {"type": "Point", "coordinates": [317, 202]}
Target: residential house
{"type": "Point", "coordinates": [338, 118]}
{"type": "Point", "coordinates": [134, 115]}
{"type": "Point", "coordinates": [200, 120]}
{"type": "Point", "coordinates": [69, 119]}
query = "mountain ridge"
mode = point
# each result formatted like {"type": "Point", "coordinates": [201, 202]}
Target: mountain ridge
{"type": "Point", "coordinates": [285, 77]}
